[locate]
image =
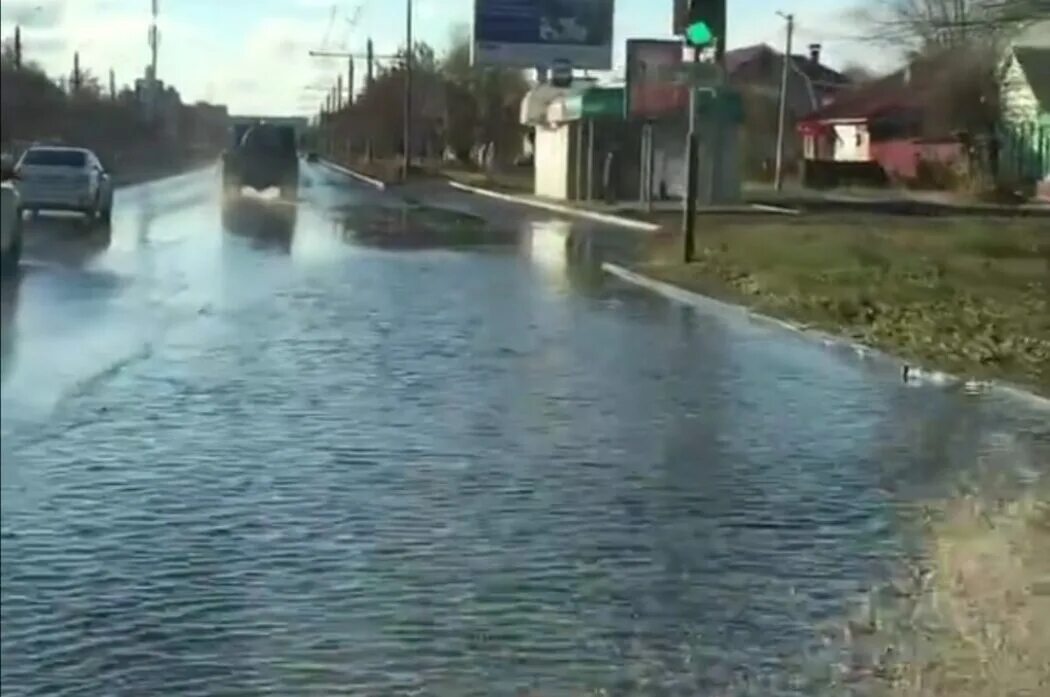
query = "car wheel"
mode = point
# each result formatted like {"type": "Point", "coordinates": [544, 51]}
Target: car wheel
{"type": "Point", "coordinates": [106, 214]}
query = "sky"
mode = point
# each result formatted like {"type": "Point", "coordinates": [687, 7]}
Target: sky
{"type": "Point", "coordinates": [253, 55]}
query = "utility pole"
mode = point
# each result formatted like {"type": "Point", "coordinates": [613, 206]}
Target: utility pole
{"type": "Point", "coordinates": [782, 112]}
{"type": "Point", "coordinates": [154, 41]}
{"type": "Point", "coordinates": [350, 81]}
{"type": "Point", "coordinates": [370, 69]}
{"type": "Point", "coordinates": [370, 65]}
{"type": "Point", "coordinates": [18, 48]}
{"type": "Point", "coordinates": [338, 92]}
{"type": "Point", "coordinates": [408, 88]}
{"type": "Point", "coordinates": [112, 85]}
{"type": "Point", "coordinates": [75, 86]}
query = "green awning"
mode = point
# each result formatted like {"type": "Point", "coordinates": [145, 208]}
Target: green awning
{"type": "Point", "coordinates": [595, 103]}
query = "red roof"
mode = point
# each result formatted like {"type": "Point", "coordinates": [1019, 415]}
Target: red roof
{"type": "Point", "coordinates": [872, 100]}
{"type": "Point", "coordinates": [905, 91]}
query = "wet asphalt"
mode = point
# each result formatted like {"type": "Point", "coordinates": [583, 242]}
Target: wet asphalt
{"type": "Point", "coordinates": [354, 445]}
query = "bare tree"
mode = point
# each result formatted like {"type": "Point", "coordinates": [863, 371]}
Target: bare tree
{"type": "Point", "coordinates": [924, 25]}
{"type": "Point", "coordinates": [858, 73]}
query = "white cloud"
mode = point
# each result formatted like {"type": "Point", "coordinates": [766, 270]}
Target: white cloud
{"type": "Point", "coordinates": [273, 67]}
{"type": "Point", "coordinates": [262, 70]}
{"type": "Point", "coordinates": [33, 14]}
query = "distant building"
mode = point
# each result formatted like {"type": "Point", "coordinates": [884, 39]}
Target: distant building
{"type": "Point", "coordinates": [811, 84]}
{"type": "Point", "coordinates": [158, 104]}
{"type": "Point", "coordinates": [756, 72]}
{"type": "Point", "coordinates": [921, 122]}
{"type": "Point", "coordinates": [204, 126]}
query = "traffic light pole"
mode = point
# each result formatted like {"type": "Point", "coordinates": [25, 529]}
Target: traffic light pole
{"type": "Point", "coordinates": [691, 165]}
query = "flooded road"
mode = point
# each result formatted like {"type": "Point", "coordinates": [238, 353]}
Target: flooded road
{"type": "Point", "coordinates": [347, 447]}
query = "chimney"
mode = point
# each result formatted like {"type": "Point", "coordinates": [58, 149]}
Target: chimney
{"type": "Point", "coordinates": [814, 53]}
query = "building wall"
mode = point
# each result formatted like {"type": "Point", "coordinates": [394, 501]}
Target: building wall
{"type": "Point", "coordinates": [551, 163]}
{"type": "Point", "coordinates": [852, 143]}
{"type": "Point", "coordinates": [901, 158]}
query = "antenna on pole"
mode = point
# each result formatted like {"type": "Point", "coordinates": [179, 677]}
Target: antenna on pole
{"type": "Point", "coordinates": [154, 40]}
{"type": "Point", "coordinates": [76, 73]}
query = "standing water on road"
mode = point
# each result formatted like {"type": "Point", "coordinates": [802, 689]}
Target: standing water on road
{"type": "Point", "coordinates": [328, 465]}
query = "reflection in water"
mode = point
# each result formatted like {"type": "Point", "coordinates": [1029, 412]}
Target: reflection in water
{"type": "Point", "coordinates": [418, 227]}
{"type": "Point", "coordinates": [569, 256]}
{"type": "Point", "coordinates": [66, 240]}
{"type": "Point", "coordinates": [266, 223]}
{"type": "Point", "coordinates": [429, 473]}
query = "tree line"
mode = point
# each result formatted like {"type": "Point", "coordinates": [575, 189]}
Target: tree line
{"type": "Point", "coordinates": [457, 108]}
{"type": "Point", "coordinates": [77, 110]}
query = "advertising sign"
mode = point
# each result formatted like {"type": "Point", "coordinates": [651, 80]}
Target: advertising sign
{"type": "Point", "coordinates": [654, 89]}
{"type": "Point", "coordinates": [529, 33]}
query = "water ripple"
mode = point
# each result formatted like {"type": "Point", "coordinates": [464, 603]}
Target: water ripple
{"type": "Point", "coordinates": [507, 489]}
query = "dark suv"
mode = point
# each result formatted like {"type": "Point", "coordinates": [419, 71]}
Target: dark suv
{"type": "Point", "coordinates": [264, 156]}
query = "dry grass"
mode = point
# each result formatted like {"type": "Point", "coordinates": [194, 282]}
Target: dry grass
{"type": "Point", "coordinates": [970, 295]}
{"type": "Point", "coordinates": [979, 625]}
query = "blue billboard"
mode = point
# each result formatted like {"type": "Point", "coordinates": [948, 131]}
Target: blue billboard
{"type": "Point", "coordinates": [528, 33]}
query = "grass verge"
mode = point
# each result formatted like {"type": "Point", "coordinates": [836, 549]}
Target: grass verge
{"type": "Point", "coordinates": [975, 620]}
{"type": "Point", "coordinates": [967, 295]}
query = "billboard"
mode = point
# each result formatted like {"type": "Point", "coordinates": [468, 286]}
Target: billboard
{"type": "Point", "coordinates": [530, 33]}
{"type": "Point", "coordinates": [652, 92]}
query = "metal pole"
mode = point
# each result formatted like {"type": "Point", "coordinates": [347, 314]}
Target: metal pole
{"type": "Point", "coordinates": [408, 88]}
{"type": "Point", "coordinates": [590, 160]}
{"type": "Point", "coordinates": [18, 48]}
{"type": "Point", "coordinates": [581, 130]}
{"type": "Point", "coordinates": [689, 197]}
{"type": "Point", "coordinates": [350, 82]}
{"type": "Point", "coordinates": [368, 86]}
{"type": "Point", "coordinates": [782, 114]}
{"type": "Point", "coordinates": [370, 58]}
{"type": "Point", "coordinates": [643, 160]}
{"type": "Point", "coordinates": [650, 167]}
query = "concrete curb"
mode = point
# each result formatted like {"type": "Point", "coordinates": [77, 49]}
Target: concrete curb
{"type": "Point", "coordinates": [371, 181]}
{"type": "Point", "coordinates": [558, 208]}
{"type": "Point", "coordinates": [831, 341]}
{"type": "Point", "coordinates": [782, 210]}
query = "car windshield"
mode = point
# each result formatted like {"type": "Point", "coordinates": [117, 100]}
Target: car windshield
{"type": "Point", "coordinates": [55, 158]}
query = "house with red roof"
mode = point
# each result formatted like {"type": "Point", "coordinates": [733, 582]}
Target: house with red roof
{"type": "Point", "coordinates": [941, 117]}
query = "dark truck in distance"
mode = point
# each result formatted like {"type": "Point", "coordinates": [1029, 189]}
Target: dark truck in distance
{"type": "Point", "coordinates": [263, 155]}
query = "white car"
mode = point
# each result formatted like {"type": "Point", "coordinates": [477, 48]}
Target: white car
{"type": "Point", "coordinates": [10, 218]}
{"type": "Point", "coordinates": [10, 226]}
{"type": "Point", "coordinates": [64, 179]}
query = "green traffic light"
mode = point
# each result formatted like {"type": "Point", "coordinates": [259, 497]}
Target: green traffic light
{"type": "Point", "coordinates": [699, 34]}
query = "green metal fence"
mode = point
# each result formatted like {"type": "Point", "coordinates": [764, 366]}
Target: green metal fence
{"type": "Point", "coordinates": [1024, 151]}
